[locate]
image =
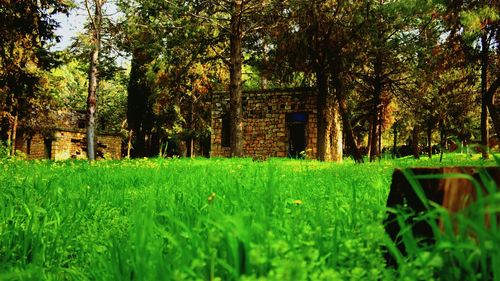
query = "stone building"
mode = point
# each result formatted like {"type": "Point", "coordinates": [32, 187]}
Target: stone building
{"type": "Point", "coordinates": [276, 123]}
{"type": "Point", "coordinates": [67, 140]}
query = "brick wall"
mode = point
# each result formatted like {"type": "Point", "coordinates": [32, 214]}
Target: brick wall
{"type": "Point", "coordinates": [265, 129]}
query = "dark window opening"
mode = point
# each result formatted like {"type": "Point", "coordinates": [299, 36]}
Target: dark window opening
{"type": "Point", "coordinates": [226, 131]}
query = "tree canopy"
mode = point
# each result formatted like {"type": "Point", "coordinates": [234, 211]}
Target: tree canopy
{"type": "Point", "coordinates": [388, 74]}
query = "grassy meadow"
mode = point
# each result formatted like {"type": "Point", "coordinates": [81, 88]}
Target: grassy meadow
{"type": "Point", "coordinates": [217, 219]}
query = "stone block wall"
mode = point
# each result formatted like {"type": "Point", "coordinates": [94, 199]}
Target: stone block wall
{"type": "Point", "coordinates": [67, 144]}
{"type": "Point", "coordinates": [73, 145]}
{"type": "Point", "coordinates": [113, 145]}
{"type": "Point", "coordinates": [265, 130]}
{"type": "Point", "coordinates": [37, 147]}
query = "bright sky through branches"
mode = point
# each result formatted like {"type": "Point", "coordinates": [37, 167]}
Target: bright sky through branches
{"type": "Point", "coordinates": [73, 24]}
{"type": "Point", "coordinates": [69, 28]}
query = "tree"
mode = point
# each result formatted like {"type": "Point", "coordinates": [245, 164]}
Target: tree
{"type": "Point", "coordinates": [382, 71]}
{"type": "Point", "coordinates": [232, 21]}
{"type": "Point", "coordinates": [26, 27]}
{"type": "Point", "coordinates": [320, 37]}
{"type": "Point", "coordinates": [95, 16]}
{"type": "Point", "coordinates": [481, 20]}
{"type": "Point", "coordinates": [146, 24]}
{"type": "Point", "coordinates": [176, 59]}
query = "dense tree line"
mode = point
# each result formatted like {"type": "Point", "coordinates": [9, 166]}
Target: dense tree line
{"type": "Point", "coordinates": [386, 73]}
{"type": "Point", "coordinates": [26, 27]}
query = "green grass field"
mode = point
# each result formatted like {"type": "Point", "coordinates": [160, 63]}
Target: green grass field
{"type": "Point", "coordinates": [216, 219]}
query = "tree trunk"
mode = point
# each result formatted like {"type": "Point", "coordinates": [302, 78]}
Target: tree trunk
{"type": "Point", "coordinates": [323, 117]}
{"type": "Point", "coordinates": [9, 138]}
{"type": "Point", "coordinates": [189, 147]}
{"type": "Point", "coordinates": [377, 92]}
{"type": "Point", "coordinates": [149, 144]}
{"type": "Point", "coordinates": [129, 145]}
{"type": "Point", "coordinates": [139, 111]}
{"type": "Point", "coordinates": [14, 134]}
{"type": "Point", "coordinates": [373, 134]}
{"type": "Point", "coordinates": [429, 142]}
{"type": "Point", "coordinates": [93, 80]}
{"type": "Point", "coordinates": [492, 107]}
{"type": "Point", "coordinates": [442, 141]}
{"type": "Point", "coordinates": [484, 98]}
{"type": "Point", "coordinates": [395, 144]}
{"type": "Point", "coordinates": [416, 150]}
{"type": "Point", "coordinates": [235, 69]}
{"type": "Point", "coordinates": [346, 122]}
{"type": "Point", "coordinates": [265, 61]}
{"type": "Point", "coordinates": [369, 144]}
{"type": "Point", "coordinates": [190, 120]}
{"type": "Point", "coordinates": [160, 150]}
{"type": "Point", "coordinates": [380, 133]}
{"type": "Point", "coordinates": [335, 133]}
{"type": "Point", "coordinates": [92, 104]}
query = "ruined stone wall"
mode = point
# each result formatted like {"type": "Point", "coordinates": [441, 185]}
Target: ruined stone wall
{"type": "Point", "coordinates": [69, 145]}
{"type": "Point", "coordinates": [73, 145]}
{"type": "Point", "coordinates": [37, 147]}
{"type": "Point", "coordinates": [113, 145]}
{"type": "Point", "coordinates": [265, 131]}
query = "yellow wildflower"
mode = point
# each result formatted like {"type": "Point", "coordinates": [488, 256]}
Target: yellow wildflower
{"type": "Point", "coordinates": [211, 197]}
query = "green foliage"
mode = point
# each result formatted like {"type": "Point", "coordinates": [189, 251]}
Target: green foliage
{"type": "Point", "coordinates": [476, 20]}
{"type": "Point", "coordinates": [26, 28]}
{"type": "Point", "coordinates": [4, 150]}
{"type": "Point", "coordinates": [68, 83]}
{"type": "Point", "coordinates": [212, 219]}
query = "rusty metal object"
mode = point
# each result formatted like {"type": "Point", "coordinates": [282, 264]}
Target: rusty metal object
{"type": "Point", "coordinates": [444, 187]}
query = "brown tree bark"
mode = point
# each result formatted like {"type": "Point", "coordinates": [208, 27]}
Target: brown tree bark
{"type": "Point", "coordinates": [14, 134]}
{"type": "Point", "coordinates": [9, 138]}
{"type": "Point", "coordinates": [429, 142]}
{"type": "Point", "coordinates": [380, 121]}
{"type": "Point", "coordinates": [377, 92]}
{"type": "Point", "coordinates": [346, 122]}
{"type": "Point", "coordinates": [129, 144]}
{"type": "Point", "coordinates": [492, 107]}
{"type": "Point", "coordinates": [190, 139]}
{"type": "Point", "coordinates": [369, 144]}
{"type": "Point", "coordinates": [374, 134]}
{"type": "Point", "coordinates": [484, 98]}
{"type": "Point", "coordinates": [395, 143]}
{"type": "Point", "coordinates": [323, 117]}
{"type": "Point", "coordinates": [336, 141]}
{"type": "Point", "coordinates": [443, 143]}
{"type": "Point", "coordinates": [414, 142]}
{"type": "Point", "coordinates": [235, 73]}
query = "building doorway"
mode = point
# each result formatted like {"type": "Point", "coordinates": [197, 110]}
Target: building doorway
{"type": "Point", "coordinates": [47, 148]}
{"type": "Point", "coordinates": [296, 124]}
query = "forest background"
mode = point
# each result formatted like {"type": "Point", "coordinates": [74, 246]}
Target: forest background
{"type": "Point", "coordinates": [404, 74]}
